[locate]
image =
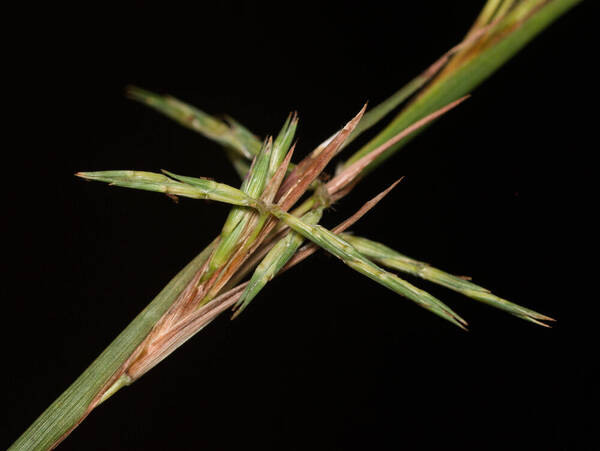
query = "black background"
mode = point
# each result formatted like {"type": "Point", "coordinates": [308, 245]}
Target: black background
{"type": "Point", "coordinates": [500, 189]}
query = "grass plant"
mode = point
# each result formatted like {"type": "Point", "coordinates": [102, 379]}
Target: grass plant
{"type": "Point", "coordinates": [274, 220]}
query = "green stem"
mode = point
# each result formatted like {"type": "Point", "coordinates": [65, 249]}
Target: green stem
{"type": "Point", "coordinates": [74, 404]}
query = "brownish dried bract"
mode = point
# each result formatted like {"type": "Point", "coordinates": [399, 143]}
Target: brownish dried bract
{"type": "Point", "coordinates": [274, 184]}
{"type": "Point", "coordinates": [176, 335]}
{"type": "Point", "coordinates": [343, 183]}
{"type": "Point", "coordinates": [309, 169]}
{"type": "Point", "coordinates": [309, 249]}
{"type": "Point", "coordinates": [173, 197]}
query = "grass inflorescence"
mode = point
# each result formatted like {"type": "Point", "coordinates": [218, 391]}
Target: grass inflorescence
{"type": "Point", "coordinates": [268, 230]}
